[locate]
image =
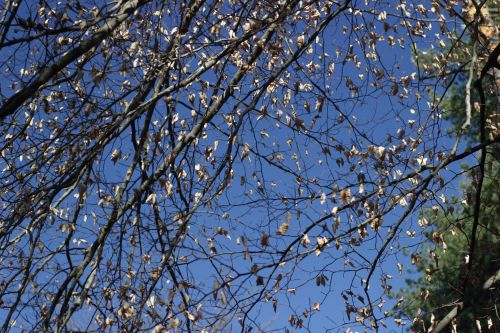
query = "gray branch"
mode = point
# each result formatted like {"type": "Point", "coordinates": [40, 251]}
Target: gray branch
{"type": "Point", "coordinates": [46, 74]}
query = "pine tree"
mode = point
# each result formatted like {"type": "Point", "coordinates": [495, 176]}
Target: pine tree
{"type": "Point", "coordinates": [442, 262]}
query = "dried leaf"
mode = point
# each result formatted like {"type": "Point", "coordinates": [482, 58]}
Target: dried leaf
{"type": "Point", "coordinates": [264, 240]}
{"type": "Point", "coordinates": [260, 281]}
{"type": "Point", "coordinates": [345, 195]}
{"type": "Point", "coordinates": [282, 229]}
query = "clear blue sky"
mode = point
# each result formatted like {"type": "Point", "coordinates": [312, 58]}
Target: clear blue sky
{"type": "Point", "coordinates": [369, 117]}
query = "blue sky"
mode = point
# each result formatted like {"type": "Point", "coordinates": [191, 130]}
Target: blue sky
{"type": "Point", "coordinates": [355, 115]}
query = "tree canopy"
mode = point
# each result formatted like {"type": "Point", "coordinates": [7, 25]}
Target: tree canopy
{"type": "Point", "coordinates": [232, 165]}
{"type": "Point", "coordinates": [441, 265]}
{"type": "Point", "coordinates": [439, 288]}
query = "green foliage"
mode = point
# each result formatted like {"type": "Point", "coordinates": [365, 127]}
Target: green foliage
{"type": "Point", "coordinates": [455, 57]}
{"type": "Point", "coordinates": [453, 107]}
{"type": "Point", "coordinates": [441, 264]}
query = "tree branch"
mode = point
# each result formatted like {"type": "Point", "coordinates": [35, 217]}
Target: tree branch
{"type": "Point", "coordinates": [15, 101]}
{"type": "Point", "coordinates": [490, 282]}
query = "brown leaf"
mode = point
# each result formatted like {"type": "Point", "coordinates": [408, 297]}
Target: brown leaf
{"type": "Point", "coordinates": [223, 297]}
{"type": "Point", "coordinates": [394, 89]}
{"type": "Point", "coordinates": [282, 229]}
{"type": "Point", "coordinates": [345, 195]}
{"type": "Point", "coordinates": [305, 241]}
{"type": "Point", "coordinates": [116, 155]}
{"type": "Point", "coordinates": [299, 124]}
{"type": "Point", "coordinates": [260, 281]}
{"type": "Point", "coordinates": [264, 240]}
{"type": "Point", "coordinates": [216, 289]}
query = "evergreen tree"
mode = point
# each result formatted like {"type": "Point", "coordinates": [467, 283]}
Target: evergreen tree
{"type": "Point", "coordinates": [441, 264]}
{"type": "Point", "coordinates": [442, 261]}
